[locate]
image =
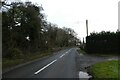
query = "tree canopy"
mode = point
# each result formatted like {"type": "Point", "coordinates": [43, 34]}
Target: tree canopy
{"type": "Point", "coordinates": [25, 27]}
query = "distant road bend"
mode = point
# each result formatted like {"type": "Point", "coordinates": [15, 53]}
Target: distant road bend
{"type": "Point", "coordinates": [62, 64]}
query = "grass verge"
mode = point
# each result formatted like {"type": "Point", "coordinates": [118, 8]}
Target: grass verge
{"type": "Point", "coordinates": [7, 63]}
{"type": "Point", "coordinates": [105, 54]}
{"type": "Point", "coordinates": [107, 69]}
{"type": "Point", "coordinates": [81, 51]}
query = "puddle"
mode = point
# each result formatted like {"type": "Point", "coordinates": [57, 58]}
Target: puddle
{"type": "Point", "coordinates": [84, 75]}
{"type": "Point", "coordinates": [81, 54]}
{"type": "Point", "coordinates": [112, 59]}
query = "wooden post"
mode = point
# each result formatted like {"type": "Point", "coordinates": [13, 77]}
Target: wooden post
{"type": "Point", "coordinates": [87, 27]}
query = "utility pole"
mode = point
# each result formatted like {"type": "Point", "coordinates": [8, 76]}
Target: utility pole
{"type": "Point", "coordinates": [119, 16]}
{"type": "Point", "coordinates": [87, 27]}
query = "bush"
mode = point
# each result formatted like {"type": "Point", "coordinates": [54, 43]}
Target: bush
{"type": "Point", "coordinates": [103, 42]}
{"type": "Point", "coordinates": [15, 53]}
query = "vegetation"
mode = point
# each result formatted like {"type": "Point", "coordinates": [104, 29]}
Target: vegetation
{"type": "Point", "coordinates": [107, 69]}
{"type": "Point", "coordinates": [81, 51]}
{"type": "Point", "coordinates": [25, 31]}
{"type": "Point", "coordinates": [103, 42]}
{"type": "Point", "coordinates": [12, 62]}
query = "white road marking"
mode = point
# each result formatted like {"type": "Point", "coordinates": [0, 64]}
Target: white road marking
{"type": "Point", "coordinates": [62, 55]}
{"type": "Point", "coordinates": [51, 63]}
{"type": "Point", "coordinates": [69, 50]}
{"type": "Point", "coordinates": [45, 67]}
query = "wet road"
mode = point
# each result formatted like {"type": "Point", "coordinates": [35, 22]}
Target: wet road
{"type": "Point", "coordinates": [62, 64]}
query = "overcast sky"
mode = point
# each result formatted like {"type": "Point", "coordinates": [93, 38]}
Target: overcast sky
{"type": "Point", "coordinates": [101, 14]}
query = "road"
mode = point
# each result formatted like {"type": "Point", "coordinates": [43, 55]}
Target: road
{"type": "Point", "coordinates": [61, 64]}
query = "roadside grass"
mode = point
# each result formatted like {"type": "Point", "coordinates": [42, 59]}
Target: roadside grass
{"type": "Point", "coordinates": [104, 54]}
{"type": "Point", "coordinates": [81, 51]}
{"type": "Point", "coordinates": [7, 63]}
{"type": "Point", "coordinates": [107, 69]}
{"type": "Point", "coordinates": [0, 63]}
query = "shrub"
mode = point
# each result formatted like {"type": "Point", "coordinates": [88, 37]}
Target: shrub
{"type": "Point", "coordinates": [15, 53]}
